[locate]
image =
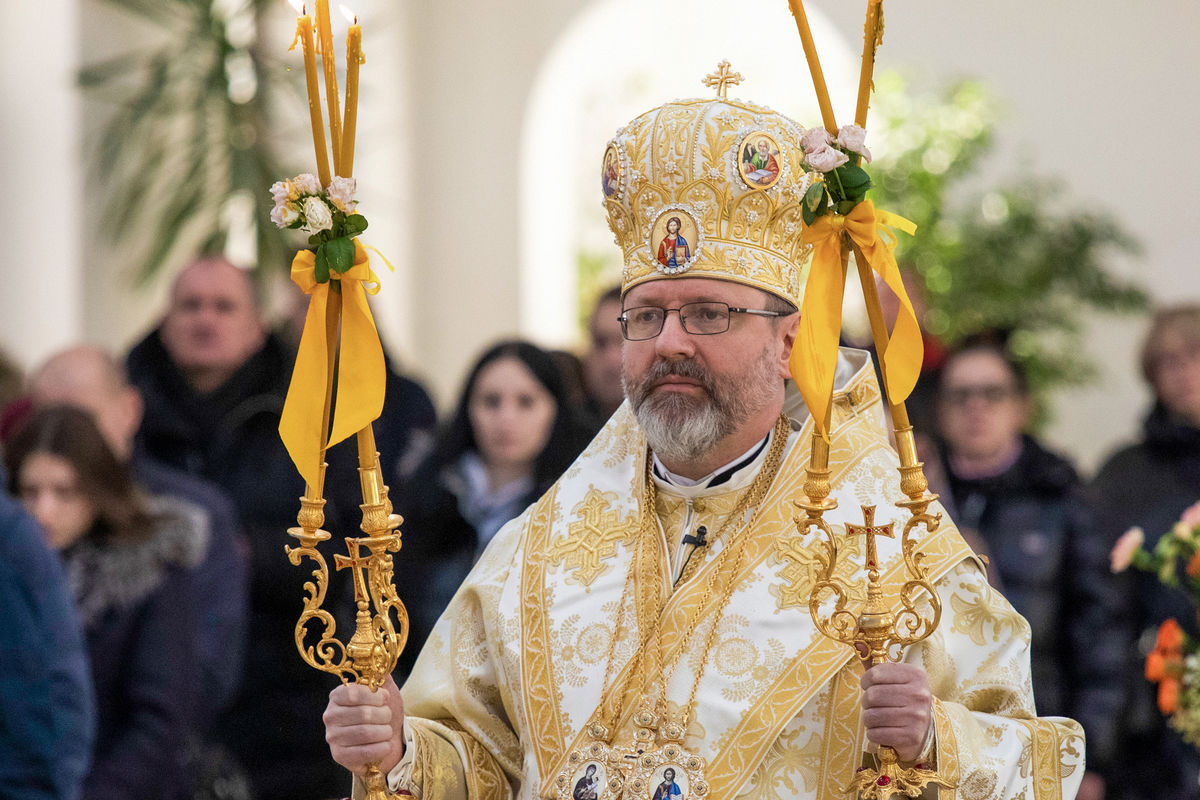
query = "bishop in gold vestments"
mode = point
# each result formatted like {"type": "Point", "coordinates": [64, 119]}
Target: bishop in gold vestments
{"type": "Point", "coordinates": [664, 573]}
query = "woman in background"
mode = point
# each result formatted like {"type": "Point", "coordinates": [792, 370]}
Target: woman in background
{"type": "Point", "coordinates": [514, 432]}
{"type": "Point", "coordinates": [124, 557]}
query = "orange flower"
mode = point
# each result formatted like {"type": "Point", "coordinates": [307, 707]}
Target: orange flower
{"type": "Point", "coordinates": [1170, 638]}
{"type": "Point", "coordinates": [1168, 696]}
{"type": "Point", "coordinates": [1155, 667]}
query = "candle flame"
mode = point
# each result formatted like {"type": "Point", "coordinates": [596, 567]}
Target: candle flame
{"type": "Point", "coordinates": [350, 16]}
{"type": "Point", "coordinates": [296, 4]}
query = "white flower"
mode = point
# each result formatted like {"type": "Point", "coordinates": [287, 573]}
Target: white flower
{"type": "Point", "coordinates": [306, 183]}
{"type": "Point", "coordinates": [317, 216]}
{"type": "Point", "coordinates": [743, 263]}
{"type": "Point", "coordinates": [814, 138]}
{"type": "Point", "coordinates": [825, 159]}
{"type": "Point", "coordinates": [341, 192]}
{"type": "Point", "coordinates": [854, 138]}
{"type": "Point", "coordinates": [284, 215]}
{"type": "Point", "coordinates": [752, 216]}
{"type": "Point", "coordinates": [714, 173]}
{"type": "Point", "coordinates": [670, 168]}
{"type": "Point", "coordinates": [280, 192]}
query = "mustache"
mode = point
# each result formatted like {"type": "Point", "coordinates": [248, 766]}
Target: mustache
{"type": "Point", "coordinates": [689, 368]}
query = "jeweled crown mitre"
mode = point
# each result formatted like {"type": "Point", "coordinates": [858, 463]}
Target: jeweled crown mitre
{"type": "Point", "coordinates": [709, 189]}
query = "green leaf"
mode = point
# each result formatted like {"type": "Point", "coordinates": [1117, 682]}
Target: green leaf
{"type": "Point", "coordinates": [846, 206]}
{"type": "Point", "coordinates": [321, 268]}
{"type": "Point", "coordinates": [855, 180]}
{"type": "Point", "coordinates": [815, 197]}
{"type": "Point", "coordinates": [340, 253]}
{"type": "Point", "coordinates": [355, 224]}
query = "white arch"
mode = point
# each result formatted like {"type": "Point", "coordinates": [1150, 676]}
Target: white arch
{"type": "Point", "coordinates": [617, 59]}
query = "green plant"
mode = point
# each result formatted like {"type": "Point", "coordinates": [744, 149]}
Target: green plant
{"type": "Point", "coordinates": [1018, 258]}
{"type": "Point", "coordinates": [188, 132]}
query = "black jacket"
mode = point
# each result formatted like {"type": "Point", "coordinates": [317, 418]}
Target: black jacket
{"type": "Point", "coordinates": [131, 598]}
{"type": "Point", "coordinates": [1053, 568]}
{"type": "Point", "coordinates": [1149, 484]}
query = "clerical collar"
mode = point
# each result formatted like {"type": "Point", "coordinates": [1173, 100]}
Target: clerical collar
{"type": "Point", "coordinates": [717, 477]}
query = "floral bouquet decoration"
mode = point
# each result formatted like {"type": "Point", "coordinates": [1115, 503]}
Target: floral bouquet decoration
{"type": "Point", "coordinates": [326, 214]}
{"type": "Point", "coordinates": [1174, 663]}
{"type": "Point", "coordinates": [845, 183]}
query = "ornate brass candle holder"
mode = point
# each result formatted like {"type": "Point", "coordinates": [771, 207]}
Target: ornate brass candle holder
{"type": "Point", "coordinates": [379, 635]}
{"type": "Point", "coordinates": [876, 633]}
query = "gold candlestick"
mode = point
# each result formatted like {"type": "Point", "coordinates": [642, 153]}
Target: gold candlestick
{"type": "Point", "coordinates": [876, 633]}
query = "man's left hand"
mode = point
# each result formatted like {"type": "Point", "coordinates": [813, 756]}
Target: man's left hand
{"type": "Point", "coordinates": [897, 708]}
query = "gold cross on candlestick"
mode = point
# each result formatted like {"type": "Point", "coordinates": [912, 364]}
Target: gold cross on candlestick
{"type": "Point", "coordinates": [870, 530]}
{"type": "Point", "coordinates": [722, 79]}
{"type": "Point", "coordinates": [357, 563]}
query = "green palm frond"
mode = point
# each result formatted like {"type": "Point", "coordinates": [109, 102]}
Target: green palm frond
{"type": "Point", "coordinates": [181, 141]}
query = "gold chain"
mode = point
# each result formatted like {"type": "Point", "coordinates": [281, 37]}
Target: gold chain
{"type": "Point", "coordinates": [753, 496]}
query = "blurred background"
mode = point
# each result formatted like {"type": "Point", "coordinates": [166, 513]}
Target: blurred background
{"type": "Point", "coordinates": [1042, 147]}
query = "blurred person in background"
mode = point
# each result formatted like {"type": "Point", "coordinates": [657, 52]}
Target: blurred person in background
{"type": "Point", "coordinates": [125, 558]}
{"type": "Point", "coordinates": [47, 712]}
{"type": "Point", "coordinates": [513, 433]}
{"type": "Point", "coordinates": [1026, 508]}
{"type": "Point", "coordinates": [1149, 484]}
{"type": "Point", "coordinates": [89, 378]}
{"type": "Point", "coordinates": [602, 364]}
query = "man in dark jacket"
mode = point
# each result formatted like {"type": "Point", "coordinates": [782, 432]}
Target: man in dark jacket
{"type": "Point", "coordinates": [214, 382]}
{"type": "Point", "coordinates": [1149, 484]}
{"type": "Point", "coordinates": [1025, 506]}
{"type": "Point", "coordinates": [47, 711]}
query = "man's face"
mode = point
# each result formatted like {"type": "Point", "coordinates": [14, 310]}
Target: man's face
{"type": "Point", "coordinates": [981, 410]}
{"type": "Point", "coordinates": [211, 325]}
{"type": "Point", "coordinates": [603, 363]}
{"type": "Point", "coordinates": [672, 225]}
{"type": "Point", "coordinates": [762, 147]}
{"type": "Point", "coordinates": [82, 377]}
{"type": "Point", "coordinates": [690, 392]}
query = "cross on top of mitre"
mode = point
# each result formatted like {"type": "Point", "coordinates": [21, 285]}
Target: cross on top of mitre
{"type": "Point", "coordinates": [722, 79]}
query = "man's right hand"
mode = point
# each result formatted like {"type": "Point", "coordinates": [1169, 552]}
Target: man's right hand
{"type": "Point", "coordinates": [362, 726]}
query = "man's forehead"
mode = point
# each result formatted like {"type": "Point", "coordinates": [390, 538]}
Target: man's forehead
{"type": "Point", "coordinates": [689, 290]}
{"type": "Point", "coordinates": [213, 278]}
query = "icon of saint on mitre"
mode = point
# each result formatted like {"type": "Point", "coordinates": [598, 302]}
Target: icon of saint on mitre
{"type": "Point", "coordinates": [610, 173]}
{"type": "Point", "coordinates": [760, 160]}
{"type": "Point", "coordinates": [675, 240]}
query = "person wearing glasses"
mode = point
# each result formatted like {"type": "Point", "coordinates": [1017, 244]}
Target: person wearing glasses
{"type": "Point", "coordinates": [1027, 508]}
{"type": "Point", "coordinates": [647, 604]}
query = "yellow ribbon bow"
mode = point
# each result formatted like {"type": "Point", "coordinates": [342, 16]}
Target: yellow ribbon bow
{"type": "Point", "coordinates": [361, 370]}
{"type": "Point", "coordinates": [814, 356]}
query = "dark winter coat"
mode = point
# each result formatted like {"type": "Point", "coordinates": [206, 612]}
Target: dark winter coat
{"type": "Point", "coordinates": [1052, 563]}
{"type": "Point", "coordinates": [1149, 484]}
{"type": "Point", "coordinates": [131, 598]}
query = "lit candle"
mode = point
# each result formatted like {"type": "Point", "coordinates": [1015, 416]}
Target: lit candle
{"type": "Point", "coordinates": [329, 62]}
{"type": "Point", "coordinates": [354, 57]}
{"type": "Point", "coordinates": [814, 66]}
{"type": "Point", "coordinates": [872, 33]}
{"type": "Point", "coordinates": [304, 34]}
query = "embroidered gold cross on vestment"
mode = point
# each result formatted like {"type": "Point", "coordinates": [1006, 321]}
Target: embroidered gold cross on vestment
{"type": "Point", "coordinates": [593, 538]}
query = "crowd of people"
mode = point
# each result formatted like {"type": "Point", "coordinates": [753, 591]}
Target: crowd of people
{"type": "Point", "coordinates": [155, 654]}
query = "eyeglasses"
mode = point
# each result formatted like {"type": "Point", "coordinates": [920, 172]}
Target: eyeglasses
{"type": "Point", "coordinates": [698, 319]}
{"type": "Point", "coordinates": [989, 394]}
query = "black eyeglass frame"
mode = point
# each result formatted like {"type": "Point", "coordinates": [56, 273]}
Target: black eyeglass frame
{"type": "Point", "coordinates": [760, 312]}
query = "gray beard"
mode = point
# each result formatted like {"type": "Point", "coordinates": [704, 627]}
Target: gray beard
{"type": "Point", "coordinates": [680, 429]}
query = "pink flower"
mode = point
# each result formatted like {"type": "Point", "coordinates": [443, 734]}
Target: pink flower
{"type": "Point", "coordinates": [814, 138]}
{"type": "Point", "coordinates": [1122, 552]}
{"type": "Point", "coordinates": [825, 158]}
{"type": "Point", "coordinates": [280, 191]}
{"type": "Point", "coordinates": [1191, 517]}
{"type": "Point", "coordinates": [854, 138]}
{"type": "Point", "coordinates": [341, 192]}
{"type": "Point", "coordinates": [306, 183]}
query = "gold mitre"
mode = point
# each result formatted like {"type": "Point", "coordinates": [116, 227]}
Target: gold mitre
{"type": "Point", "coordinates": [709, 189]}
